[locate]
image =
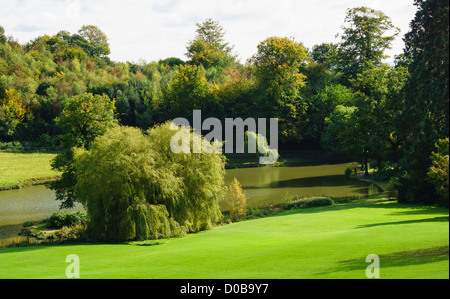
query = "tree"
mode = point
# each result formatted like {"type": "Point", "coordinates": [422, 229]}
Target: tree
{"type": "Point", "coordinates": [236, 201]}
{"type": "Point", "coordinates": [325, 53]}
{"type": "Point", "coordinates": [367, 132]}
{"type": "Point", "coordinates": [209, 49]}
{"type": "Point", "coordinates": [97, 39]}
{"type": "Point", "coordinates": [365, 38]}
{"type": "Point", "coordinates": [201, 177]}
{"type": "Point", "coordinates": [277, 69]}
{"type": "Point", "coordinates": [425, 106]}
{"type": "Point", "coordinates": [382, 88]}
{"type": "Point", "coordinates": [135, 187]}
{"type": "Point", "coordinates": [13, 113]}
{"type": "Point", "coordinates": [340, 133]}
{"type": "Point", "coordinates": [322, 104]}
{"type": "Point", "coordinates": [83, 119]}
{"type": "Point", "coordinates": [189, 90]}
{"type": "Point", "coordinates": [439, 171]}
{"type": "Point", "coordinates": [3, 38]}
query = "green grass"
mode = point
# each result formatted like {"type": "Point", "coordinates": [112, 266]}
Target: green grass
{"type": "Point", "coordinates": [18, 170]}
{"type": "Point", "coordinates": [318, 243]}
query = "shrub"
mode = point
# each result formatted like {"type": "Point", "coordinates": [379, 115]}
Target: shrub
{"type": "Point", "coordinates": [310, 203]}
{"type": "Point", "coordinates": [69, 219]}
{"type": "Point", "coordinates": [438, 173]}
{"type": "Point", "coordinates": [348, 172]}
{"type": "Point", "coordinates": [237, 201]}
{"type": "Point", "coordinates": [27, 224]}
{"type": "Point", "coordinates": [384, 174]}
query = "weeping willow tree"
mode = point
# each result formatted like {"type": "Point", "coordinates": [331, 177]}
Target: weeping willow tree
{"type": "Point", "coordinates": [200, 173]}
{"type": "Point", "coordinates": [134, 187]}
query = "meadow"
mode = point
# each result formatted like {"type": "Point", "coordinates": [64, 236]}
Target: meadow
{"type": "Point", "coordinates": [319, 243]}
{"type": "Point", "coordinates": [19, 169]}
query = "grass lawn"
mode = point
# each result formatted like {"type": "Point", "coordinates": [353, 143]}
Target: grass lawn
{"type": "Point", "coordinates": [328, 242]}
{"type": "Point", "coordinates": [17, 169]}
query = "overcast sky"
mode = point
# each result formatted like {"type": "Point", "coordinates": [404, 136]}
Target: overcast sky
{"type": "Point", "coordinates": [153, 30]}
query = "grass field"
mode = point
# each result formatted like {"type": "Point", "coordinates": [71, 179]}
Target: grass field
{"type": "Point", "coordinates": [318, 243]}
{"type": "Point", "coordinates": [17, 170]}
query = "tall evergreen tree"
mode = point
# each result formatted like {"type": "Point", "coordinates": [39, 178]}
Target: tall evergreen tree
{"type": "Point", "coordinates": [426, 102]}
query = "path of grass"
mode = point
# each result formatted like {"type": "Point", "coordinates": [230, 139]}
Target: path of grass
{"type": "Point", "coordinates": [18, 170]}
{"type": "Point", "coordinates": [328, 242]}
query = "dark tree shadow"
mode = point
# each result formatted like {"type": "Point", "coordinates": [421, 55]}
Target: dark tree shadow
{"type": "Point", "coordinates": [397, 259]}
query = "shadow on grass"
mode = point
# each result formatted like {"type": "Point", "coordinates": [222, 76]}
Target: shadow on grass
{"type": "Point", "coordinates": [397, 259]}
{"type": "Point", "coordinates": [436, 219]}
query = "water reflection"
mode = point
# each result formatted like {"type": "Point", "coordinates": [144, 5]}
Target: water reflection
{"type": "Point", "coordinates": [264, 186]}
{"type": "Point", "coordinates": [271, 185]}
{"type": "Point", "coordinates": [28, 204]}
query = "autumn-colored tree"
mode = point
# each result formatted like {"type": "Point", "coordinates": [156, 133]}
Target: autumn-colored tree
{"type": "Point", "coordinates": [277, 69]}
{"type": "Point", "coordinates": [236, 201]}
{"type": "Point", "coordinates": [12, 113]}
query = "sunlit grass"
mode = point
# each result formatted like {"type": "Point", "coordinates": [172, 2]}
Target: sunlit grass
{"type": "Point", "coordinates": [326, 242]}
{"type": "Point", "coordinates": [17, 169]}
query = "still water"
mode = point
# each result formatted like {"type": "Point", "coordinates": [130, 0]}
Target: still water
{"type": "Point", "coordinates": [28, 204]}
{"type": "Point", "coordinates": [272, 185]}
{"type": "Point", "coordinates": [263, 186]}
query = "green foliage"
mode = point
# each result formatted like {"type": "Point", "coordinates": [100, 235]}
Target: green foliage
{"type": "Point", "coordinates": [364, 40]}
{"type": "Point", "coordinates": [325, 53]}
{"type": "Point", "coordinates": [305, 203]}
{"type": "Point", "coordinates": [348, 172]}
{"type": "Point", "coordinates": [2, 35]}
{"type": "Point", "coordinates": [189, 90]}
{"type": "Point", "coordinates": [236, 200]}
{"type": "Point", "coordinates": [425, 105]}
{"type": "Point", "coordinates": [152, 222]}
{"type": "Point", "coordinates": [83, 119]}
{"type": "Point", "coordinates": [69, 219]}
{"type": "Point", "coordinates": [210, 50]}
{"type": "Point", "coordinates": [277, 69]}
{"type": "Point", "coordinates": [339, 130]}
{"type": "Point", "coordinates": [134, 186]}
{"type": "Point", "coordinates": [439, 171]}
{"type": "Point", "coordinates": [96, 38]}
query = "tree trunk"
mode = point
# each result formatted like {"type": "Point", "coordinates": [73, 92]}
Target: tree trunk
{"type": "Point", "coordinates": [366, 164]}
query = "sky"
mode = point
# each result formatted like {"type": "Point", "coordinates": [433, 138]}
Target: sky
{"type": "Point", "coordinates": [152, 30]}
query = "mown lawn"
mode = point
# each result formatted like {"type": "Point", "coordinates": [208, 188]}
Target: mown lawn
{"type": "Point", "coordinates": [329, 242]}
{"type": "Point", "coordinates": [18, 169]}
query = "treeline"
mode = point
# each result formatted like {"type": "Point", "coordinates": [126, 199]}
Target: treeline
{"type": "Point", "coordinates": [341, 96]}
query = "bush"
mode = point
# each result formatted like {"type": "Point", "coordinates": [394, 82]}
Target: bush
{"type": "Point", "coordinates": [309, 203]}
{"type": "Point", "coordinates": [438, 173]}
{"type": "Point", "coordinates": [384, 174]}
{"type": "Point", "coordinates": [348, 172]}
{"type": "Point", "coordinates": [27, 224]}
{"type": "Point", "coordinates": [69, 219]}
{"type": "Point", "coordinates": [237, 201]}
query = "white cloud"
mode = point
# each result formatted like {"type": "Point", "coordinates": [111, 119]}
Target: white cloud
{"type": "Point", "coordinates": [159, 29]}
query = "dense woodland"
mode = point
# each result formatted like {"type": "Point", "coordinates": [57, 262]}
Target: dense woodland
{"type": "Point", "coordinates": [63, 90]}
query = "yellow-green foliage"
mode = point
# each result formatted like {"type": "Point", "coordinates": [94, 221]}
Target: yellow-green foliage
{"type": "Point", "coordinates": [237, 201]}
{"type": "Point", "coordinates": [134, 187]}
{"type": "Point", "coordinates": [439, 171]}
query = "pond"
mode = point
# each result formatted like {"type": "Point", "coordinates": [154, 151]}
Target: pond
{"type": "Point", "coordinates": [264, 187]}
{"type": "Point", "coordinates": [28, 204]}
{"type": "Point", "coordinates": [272, 185]}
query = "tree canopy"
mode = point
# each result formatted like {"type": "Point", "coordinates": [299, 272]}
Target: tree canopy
{"type": "Point", "coordinates": [129, 181]}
